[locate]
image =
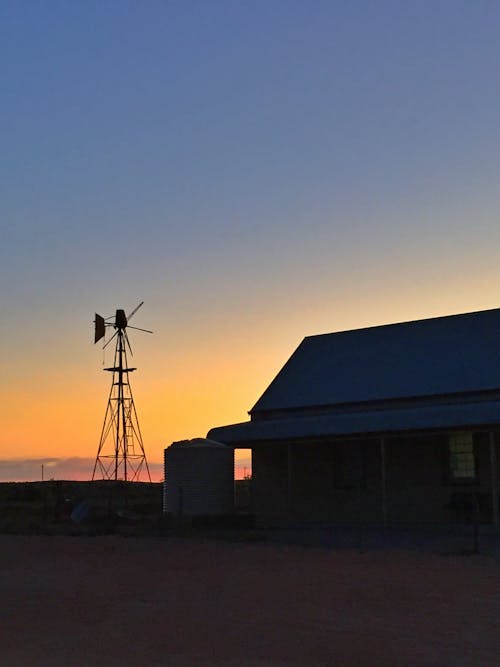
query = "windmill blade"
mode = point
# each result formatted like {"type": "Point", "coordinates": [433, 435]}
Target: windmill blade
{"type": "Point", "coordinates": [109, 341]}
{"type": "Point", "coordinates": [100, 328]}
{"type": "Point", "coordinates": [128, 343]}
{"type": "Point", "coordinates": [137, 329]}
{"type": "Point", "coordinates": [134, 311]}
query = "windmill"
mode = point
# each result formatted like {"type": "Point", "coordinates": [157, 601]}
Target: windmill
{"type": "Point", "coordinates": [121, 451]}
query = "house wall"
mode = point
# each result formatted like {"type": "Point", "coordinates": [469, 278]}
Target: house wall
{"type": "Point", "coordinates": [341, 481]}
{"type": "Point", "coordinates": [269, 482]}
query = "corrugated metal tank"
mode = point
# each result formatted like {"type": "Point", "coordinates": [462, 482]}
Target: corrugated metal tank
{"type": "Point", "coordinates": [199, 478]}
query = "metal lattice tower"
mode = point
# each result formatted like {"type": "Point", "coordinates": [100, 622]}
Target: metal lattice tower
{"type": "Point", "coordinates": [121, 454]}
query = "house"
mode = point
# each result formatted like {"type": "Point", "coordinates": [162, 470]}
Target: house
{"type": "Point", "coordinates": [395, 423]}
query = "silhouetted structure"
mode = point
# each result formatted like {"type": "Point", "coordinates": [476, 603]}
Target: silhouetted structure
{"type": "Point", "coordinates": [120, 454]}
{"type": "Point", "coordinates": [390, 423]}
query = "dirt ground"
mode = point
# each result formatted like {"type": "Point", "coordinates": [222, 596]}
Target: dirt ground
{"type": "Point", "coordinates": [125, 601]}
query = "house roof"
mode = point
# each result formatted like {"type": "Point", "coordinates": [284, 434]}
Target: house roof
{"type": "Point", "coordinates": [438, 356]}
{"type": "Point", "coordinates": [369, 422]}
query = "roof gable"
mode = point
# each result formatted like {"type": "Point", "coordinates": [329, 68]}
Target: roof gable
{"type": "Point", "coordinates": [442, 355]}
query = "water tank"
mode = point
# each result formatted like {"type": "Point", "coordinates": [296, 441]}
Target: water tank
{"type": "Point", "coordinates": [199, 478]}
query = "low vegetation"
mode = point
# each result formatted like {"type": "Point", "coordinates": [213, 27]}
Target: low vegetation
{"type": "Point", "coordinates": [67, 507]}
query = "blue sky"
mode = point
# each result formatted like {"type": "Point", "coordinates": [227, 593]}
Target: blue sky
{"type": "Point", "coordinates": [255, 171]}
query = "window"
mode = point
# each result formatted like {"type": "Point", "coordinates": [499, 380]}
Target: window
{"type": "Point", "coordinates": [462, 461]}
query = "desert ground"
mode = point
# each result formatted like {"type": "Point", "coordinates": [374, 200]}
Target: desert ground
{"type": "Point", "coordinates": [149, 601]}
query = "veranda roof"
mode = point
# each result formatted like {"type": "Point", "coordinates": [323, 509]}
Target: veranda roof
{"type": "Point", "coordinates": [456, 416]}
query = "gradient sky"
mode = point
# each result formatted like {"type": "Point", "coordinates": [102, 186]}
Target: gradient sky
{"type": "Point", "coordinates": [255, 172]}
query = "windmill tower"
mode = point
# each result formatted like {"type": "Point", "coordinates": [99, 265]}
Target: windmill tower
{"type": "Point", "coordinates": [121, 451]}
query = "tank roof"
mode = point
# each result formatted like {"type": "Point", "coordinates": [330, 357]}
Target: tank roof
{"type": "Point", "coordinates": [199, 442]}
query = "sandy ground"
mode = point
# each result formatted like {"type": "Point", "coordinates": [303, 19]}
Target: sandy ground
{"type": "Point", "coordinates": [122, 601]}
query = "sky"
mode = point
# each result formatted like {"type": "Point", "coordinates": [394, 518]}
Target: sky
{"type": "Point", "coordinates": [255, 172]}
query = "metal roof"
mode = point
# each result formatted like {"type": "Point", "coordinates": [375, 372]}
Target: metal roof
{"type": "Point", "coordinates": [451, 416]}
{"type": "Point", "coordinates": [442, 355]}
